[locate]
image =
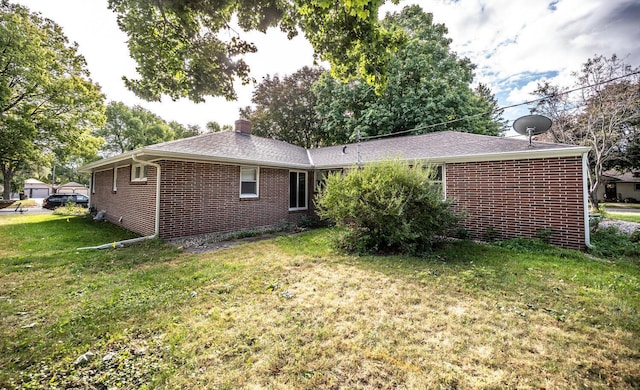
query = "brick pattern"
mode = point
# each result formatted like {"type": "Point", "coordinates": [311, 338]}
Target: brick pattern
{"type": "Point", "coordinates": [520, 198]}
{"type": "Point", "coordinates": [133, 201]}
{"type": "Point", "coordinates": [201, 198]}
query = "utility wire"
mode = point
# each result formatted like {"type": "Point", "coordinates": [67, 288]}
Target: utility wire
{"type": "Point", "coordinates": [497, 109]}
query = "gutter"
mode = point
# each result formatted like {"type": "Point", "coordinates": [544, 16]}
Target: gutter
{"type": "Point", "coordinates": [119, 244]}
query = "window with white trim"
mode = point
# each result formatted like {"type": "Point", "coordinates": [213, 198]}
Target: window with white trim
{"type": "Point", "coordinates": [637, 186]}
{"type": "Point", "coordinates": [115, 179]}
{"type": "Point", "coordinates": [439, 180]}
{"type": "Point", "coordinates": [298, 190]}
{"type": "Point", "coordinates": [138, 172]}
{"type": "Point", "coordinates": [249, 182]}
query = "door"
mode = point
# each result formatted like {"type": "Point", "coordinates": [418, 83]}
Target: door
{"type": "Point", "coordinates": [610, 191]}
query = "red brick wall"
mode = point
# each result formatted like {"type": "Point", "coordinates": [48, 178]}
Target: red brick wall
{"type": "Point", "coordinates": [200, 198]}
{"type": "Point", "coordinates": [133, 201]}
{"type": "Point", "coordinates": [520, 198]}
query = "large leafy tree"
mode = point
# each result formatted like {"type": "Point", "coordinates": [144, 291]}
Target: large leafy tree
{"type": "Point", "coordinates": [188, 48]}
{"type": "Point", "coordinates": [428, 84]}
{"type": "Point", "coordinates": [128, 128]}
{"type": "Point", "coordinates": [285, 109]}
{"type": "Point", "coordinates": [601, 112]}
{"type": "Point", "coordinates": [48, 104]}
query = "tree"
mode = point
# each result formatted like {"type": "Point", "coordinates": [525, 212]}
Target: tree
{"type": "Point", "coordinates": [390, 206]}
{"type": "Point", "coordinates": [181, 131]}
{"type": "Point", "coordinates": [486, 98]}
{"type": "Point", "coordinates": [214, 127]}
{"type": "Point", "coordinates": [602, 113]}
{"type": "Point", "coordinates": [427, 85]}
{"type": "Point", "coordinates": [285, 109]}
{"type": "Point", "coordinates": [188, 48]}
{"type": "Point", "coordinates": [128, 128]}
{"type": "Point", "coordinates": [48, 104]}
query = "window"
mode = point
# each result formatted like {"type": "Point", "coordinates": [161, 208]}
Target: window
{"type": "Point", "coordinates": [115, 179]}
{"type": "Point", "coordinates": [439, 180]}
{"type": "Point", "coordinates": [637, 186]}
{"type": "Point", "coordinates": [297, 190]}
{"type": "Point", "coordinates": [321, 177]}
{"type": "Point", "coordinates": [249, 182]}
{"type": "Point", "coordinates": [138, 172]}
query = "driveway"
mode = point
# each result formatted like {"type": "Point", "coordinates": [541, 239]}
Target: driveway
{"type": "Point", "coordinates": [27, 210]}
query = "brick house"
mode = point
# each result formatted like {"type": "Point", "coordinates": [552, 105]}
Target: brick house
{"type": "Point", "coordinates": [233, 181]}
{"type": "Point", "coordinates": [619, 187]}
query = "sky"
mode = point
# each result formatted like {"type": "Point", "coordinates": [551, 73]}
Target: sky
{"type": "Point", "coordinates": [514, 43]}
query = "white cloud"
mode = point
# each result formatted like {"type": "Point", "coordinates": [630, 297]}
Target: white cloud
{"type": "Point", "coordinates": [511, 41]}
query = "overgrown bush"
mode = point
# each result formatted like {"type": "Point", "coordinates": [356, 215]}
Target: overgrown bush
{"type": "Point", "coordinates": [387, 207]}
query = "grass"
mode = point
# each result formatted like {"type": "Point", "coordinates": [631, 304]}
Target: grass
{"type": "Point", "coordinates": [290, 313]}
{"type": "Point", "coordinates": [629, 217]}
{"type": "Point", "coordinates": [621, 205]}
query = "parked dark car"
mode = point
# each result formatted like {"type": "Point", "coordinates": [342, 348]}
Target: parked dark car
{"type": "Point", "coordinates": [57, 200]}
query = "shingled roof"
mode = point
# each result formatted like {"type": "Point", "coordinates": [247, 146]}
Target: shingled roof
{"type": "Point", "coordinates": [242, 148]}
{"type": "Point", "coordinates": [232, 145]}
{"type": "Point", "coordinates": [441, 146]}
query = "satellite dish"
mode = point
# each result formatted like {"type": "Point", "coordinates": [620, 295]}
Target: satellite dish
{"type": "Point", "coordinates": [532, 125]}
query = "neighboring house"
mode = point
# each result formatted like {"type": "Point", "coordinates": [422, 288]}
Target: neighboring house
{"type": "Point", "coordinates": [36, 189]}
{"type": "Point", "coordinates": [619, 187]}
{"type": "Point", "coordinates": [233, 181]}
{"type": "Point", "coordinates": [72, 188]}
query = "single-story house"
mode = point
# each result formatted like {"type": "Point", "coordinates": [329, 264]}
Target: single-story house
{"type": "Point", "coordinates": [34, 188]}
{"type": "Point", "coordinates": [619, 187]}
{"type": "Point", "coordinates": [233, 181]}
{"type": "Point", "coordinates": [72, 188]}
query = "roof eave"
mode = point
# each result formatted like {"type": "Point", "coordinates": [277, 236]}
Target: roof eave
{"type": "Point", "coordinates": [498, 156]}
{"type": "Point", "coordinates": [110, 160]}
{"type": "Point", "coordinates": [155, 155]}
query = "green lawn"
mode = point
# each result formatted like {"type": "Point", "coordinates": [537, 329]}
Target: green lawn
{"type": "Point", "coordinates": [629, 217]}
{"type": "Point", "coordinates": [621, 205]}
{"type": "Point", "coordinates": [290, 313]}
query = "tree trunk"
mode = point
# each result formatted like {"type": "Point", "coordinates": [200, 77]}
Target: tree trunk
{"type": "Point", "coordinates": [593, 197]}
{"type": "Point", "coordinates": [7, 176]}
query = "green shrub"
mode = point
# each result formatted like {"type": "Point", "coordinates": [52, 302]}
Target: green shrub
{"type": "Point", "coordinates": [492, 234]}
{"type": "Point", "coordinates": [544, 235]}
{"type": "Point", "coordinates": [387, 207]}
{"type": "Point", "coordinates": [71, 209]}
{"type": "Point", "coordinates": [610, 243]}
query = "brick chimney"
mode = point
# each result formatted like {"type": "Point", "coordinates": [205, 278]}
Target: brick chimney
{"type": "Point", "coordinates": [243, 126]}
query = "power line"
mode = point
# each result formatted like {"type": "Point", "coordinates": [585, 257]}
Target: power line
{"type": "Point", "coordinates": [497, 109]}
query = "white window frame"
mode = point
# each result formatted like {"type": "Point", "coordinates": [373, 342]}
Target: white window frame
{"type": "Point", "coordinates": [306, 190]}
{"type": "Point", "coordinates": [143, 173]}
{"type": "Point", "coordinates": [257, 181]}
{"type": "Point", "coordinates": [443, 180]}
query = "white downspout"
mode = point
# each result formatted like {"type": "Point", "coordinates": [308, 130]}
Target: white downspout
{"type": "Point", "coordinates": [585, 191]}
{"type": "Point", "coordinates": [156, 233]}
